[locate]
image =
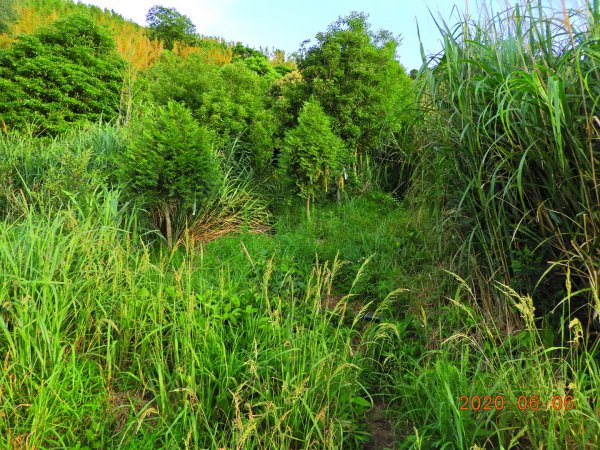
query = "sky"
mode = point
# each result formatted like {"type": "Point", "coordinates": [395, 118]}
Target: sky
{"type": "Point", "coordinates": [284, 24]}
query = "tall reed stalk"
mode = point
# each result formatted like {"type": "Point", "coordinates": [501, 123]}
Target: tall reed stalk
{"type": "Point", "coordinates": [513, 106]}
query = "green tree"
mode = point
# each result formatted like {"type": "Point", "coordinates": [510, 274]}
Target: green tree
{"type": "Point", "coordinates": [63, 74]}
{"type": "Point", "coordinates": [255, 61]}
{"type": "Point", "coordinates": [288, 94]}
{"type": "Point", "coordinates": [168, 25]}
{"type": "Point", "coordinates": [171, 162]}
{"type": "Point", "coordinates": [353, 72]}
{"type": "Point", "coordinates": [231, 100]}
{"type": "Point", "coordinates": [312, 155]}
{"type": "Point", "coordinates": [8, 14]}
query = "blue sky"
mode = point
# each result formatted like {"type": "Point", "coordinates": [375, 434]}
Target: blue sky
{"type": "Point", "coordinates": [284, 24]}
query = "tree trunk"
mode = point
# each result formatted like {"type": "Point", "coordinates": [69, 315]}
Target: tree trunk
{"type": "Point", "coordinates": [308, 207]}
{"type": "Point", "coordinates": [167, 212]}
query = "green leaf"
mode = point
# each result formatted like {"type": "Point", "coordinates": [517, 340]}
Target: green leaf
{"type": "Point", "coordinates": [361, 402]}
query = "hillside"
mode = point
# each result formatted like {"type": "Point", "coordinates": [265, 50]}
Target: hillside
{"type": "Point", "coordinates": [205, 245]}
{"type": "Point", "coordinates": [132, 40]}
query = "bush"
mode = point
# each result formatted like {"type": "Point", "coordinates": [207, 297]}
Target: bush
{"type": "Point", "coordinates": [171, 162]}
{"type": "Point", "coordinates": [312, 155]}
{"type": "Point", "coordinates": [231, 100]}
{"type": "Point", "coordinates": [63, 74]}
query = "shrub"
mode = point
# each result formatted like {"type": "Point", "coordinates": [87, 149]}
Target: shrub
{"type": "Point", "coordinates": [312, 154]}
{"type": "Point", "coordinates": [171, 162]}
{"type": "Point", "coordinates": [231, 100]}
{"type": "Point", "coordinates": [62, 74]}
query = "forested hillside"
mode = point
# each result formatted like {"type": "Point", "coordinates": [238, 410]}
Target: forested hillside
{"type": "Point", "coordinates": [207, 245]}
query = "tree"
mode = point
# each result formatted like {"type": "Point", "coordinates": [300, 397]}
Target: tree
{"type": "Point", "coordinates": [255, 61]}
{"type": "Point", "coordinates": [63, 74]}
{"type": "Point", "coordinates": [231, 100]}
{"type": "Point", "coordinates": [8, 14]}
{"type": "Point", "coordinates": [168, 25]}
{"type": "Point", "coordinates": [171, 162]}
{"type": "Point", "coordinates": [353, 73]}
{"type": "Point", "coordinates": [312, 155]}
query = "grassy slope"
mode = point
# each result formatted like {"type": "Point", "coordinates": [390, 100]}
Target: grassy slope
{"type": "Point", "coordinates": [245, 341]}
{"type": "Point", "coordinates": [132, 41]}
{"type": "Point", "coordinates": [251, 340]}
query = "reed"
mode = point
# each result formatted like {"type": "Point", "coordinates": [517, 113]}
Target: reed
{"type": "Point", "coordinates": [512, 103]}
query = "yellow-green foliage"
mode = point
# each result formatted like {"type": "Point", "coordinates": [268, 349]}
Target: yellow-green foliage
{"type": "Point", "coordinates": [212, 55]}
{"type": "Point", "coordinates": [132, 41]}
{"type": "Point", "coordinates": [107, 344]}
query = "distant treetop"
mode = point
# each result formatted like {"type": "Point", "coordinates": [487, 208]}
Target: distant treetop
{"type": "Point", "coordinates": [168, 25]}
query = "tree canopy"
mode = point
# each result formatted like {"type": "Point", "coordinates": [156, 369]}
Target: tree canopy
{"type": "Point", "coordinates": [62, 74]}
{"type": "Point", "coordinates": [353, 73]}
{"type": "Point", "coordinates": [168, 25]}
{"type": "Point", "coordinates": [255, 61]}
{"type": "Point", "coordinates": [231, 100]}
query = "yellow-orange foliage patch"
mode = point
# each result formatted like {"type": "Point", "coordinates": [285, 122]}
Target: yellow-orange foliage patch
{"type": "Point", "coordinates": [5, 40]}
{"type": "Point", "coordinates": [218, 56]}
{"type": "Point", "coordinates": [134, 45]}
{"type": "Point", "coordinates": [31, 19]}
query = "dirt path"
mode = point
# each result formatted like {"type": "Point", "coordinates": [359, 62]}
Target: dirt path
{"type": "Point", "coordinates": [381, 429]}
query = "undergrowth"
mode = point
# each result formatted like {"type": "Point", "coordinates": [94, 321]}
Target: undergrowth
{"type": "Point", "coordinates": [466, 312]}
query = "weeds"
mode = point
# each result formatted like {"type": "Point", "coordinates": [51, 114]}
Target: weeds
{"type": "Point", "coordinates": [105, 344]}
{"type": "Point", "coordinates": [443, 391]}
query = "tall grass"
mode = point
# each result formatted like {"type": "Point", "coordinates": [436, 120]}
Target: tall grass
{"type": "Point", "coordinates": [513, 118]}
{"type": "Point", "coordinates": [49, 173]}
{"type": "Point", "coordinates": [105, 344]}
{"type": "Point", "coordinates": [108, 342]}
{"type": "Point", "coordinates": [509, 166]}
{"type": "Point", "coordinates": [470, 357]}
{"type": "Point", "coordinates": [235, 207]}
